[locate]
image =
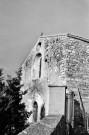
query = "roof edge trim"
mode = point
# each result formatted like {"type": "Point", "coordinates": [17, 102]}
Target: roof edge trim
{"type": "Point", "coordinates": [77, 37]}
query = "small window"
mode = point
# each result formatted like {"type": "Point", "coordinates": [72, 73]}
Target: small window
{"type": "Point", "coordinates": [38, 46]}
{"type": "Point", "coordinates": [40, 67]}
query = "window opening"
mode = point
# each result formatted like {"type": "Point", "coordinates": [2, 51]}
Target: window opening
{"type": "Point", "coordinates": [35, 111]}
{"type": "Point", "coordinates": [42, 114]}
{"type": "Point", "coordinates": [40, 68]}
{"type": "Point", "coordinates": [37, 66]}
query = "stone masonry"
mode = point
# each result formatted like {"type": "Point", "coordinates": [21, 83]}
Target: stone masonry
{"type": "Point", "coordinates": [58, 61]}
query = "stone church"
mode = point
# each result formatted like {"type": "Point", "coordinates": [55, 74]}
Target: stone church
{"type": "Point", "coordinates": [56, 72]}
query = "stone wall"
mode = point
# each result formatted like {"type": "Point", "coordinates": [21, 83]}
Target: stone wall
{"type": "Point", "coordinates": [55, 60]}
{"type": "Point", "coordinates": [35, 85]}
{"type": "Point", "coordinates": [59, 60]}
{"type": "Point", "coordinates": [77, 61]}
{"type": "Point", "coordinates": [77, 65]}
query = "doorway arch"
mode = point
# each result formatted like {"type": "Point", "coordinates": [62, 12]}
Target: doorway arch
{"type": "Point", "coordinates": [35, 111]}
{"type": "Point", "coordinates": [42, 113]}
{"type": "Point", "coordinates": [37, 103]}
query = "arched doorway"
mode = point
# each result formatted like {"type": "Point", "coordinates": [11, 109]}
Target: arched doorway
{"type": "Point", "coordinates": [35, 111]}
{"type": "Point", "coordinates": [37, 102]}
{"type": "Point", "coordinates": [42, 113]}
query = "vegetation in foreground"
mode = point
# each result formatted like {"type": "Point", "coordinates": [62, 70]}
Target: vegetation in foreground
{"type": "Point", "coordinates": [13, 115]}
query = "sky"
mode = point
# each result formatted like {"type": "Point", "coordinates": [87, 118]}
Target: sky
{"type": "Point", "coordinates": [22, 22]}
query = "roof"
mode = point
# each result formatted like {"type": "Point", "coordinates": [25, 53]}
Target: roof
{"type": "Point", "coordinates": [67, 35]}
{"type": "Point", "coordinates": [78, 37]}
{"type": "Point", "coordinates": [44, 127]}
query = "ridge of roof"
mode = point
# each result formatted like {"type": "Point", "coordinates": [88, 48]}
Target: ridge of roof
{"type": "Point", "coordinates": [78, 37]}
{"type": "Point", "coordinates": [63, 34]}
{"type": "Point", "coordinates": [67, 35]}
{"type": "Point", "coordinates": [53, 35]}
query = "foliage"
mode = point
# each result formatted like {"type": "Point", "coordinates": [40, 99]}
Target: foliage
{"type": "Point", "coordinates": [13, 115]}
{"type": "Point", "coordinates": [3, 104]}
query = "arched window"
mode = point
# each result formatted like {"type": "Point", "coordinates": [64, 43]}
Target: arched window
{"type": "Point", "coordinates": [35, 111]}
{"type": "Point", "coordinates": [38, 46]}
{"type": "Point", "coordinates": [37, 66]}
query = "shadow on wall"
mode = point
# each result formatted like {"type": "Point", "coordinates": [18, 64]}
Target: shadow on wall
{"type": "Point", "coordinates": [63, 128]}
{"type": "Point", "coordinates": [42, 114]}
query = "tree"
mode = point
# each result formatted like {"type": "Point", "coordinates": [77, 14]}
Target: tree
{"type": "Point", "coordinates": [13, 115]}
{"type": "Point", "coordinates": [1, 81]}
{"type": "Point", "coordinates": [3, 104]}
{"type": "Point", "coordinates": [16, 109]}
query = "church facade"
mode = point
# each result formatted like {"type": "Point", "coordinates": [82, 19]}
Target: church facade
{"type": "Point", "coordinates": [54, 71]}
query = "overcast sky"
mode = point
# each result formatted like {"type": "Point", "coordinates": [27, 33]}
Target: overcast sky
{"type": "Point", "coordinates": [22, 21]}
